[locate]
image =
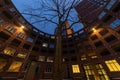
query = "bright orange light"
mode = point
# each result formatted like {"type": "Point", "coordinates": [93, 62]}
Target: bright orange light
{"type": "Point", "coordinates": [22, 27]}
{"type": "Point", "coordinates": [94, 29]}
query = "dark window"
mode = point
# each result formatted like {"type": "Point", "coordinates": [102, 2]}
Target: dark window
{"type": "Point", "coordinates": [103, 32]}
{"type": "Point", "coordinates": [38, 42]}
{"type": "Point", "coordinates": [71, 45]}
{"type": "Point", "coordinates": [66, 59]}
{"type": "Point", "coordinates": [107, 18]}
{"type": "Point", "coordinates": [98, 44]}
{"type": "Point", "coordinates": [52, 46]}
{"type": "Point", "coordinates": [7, 1]}
{"type": "Point", "coordinates": [94, 37]}
{"type": "Point", "coordinates": [4, 36]}
{"type": "Point", "coordinates": [51, 51]}
{"type": "Point", "coordinates": [116, 47]}
{"type": "Point", "coordinates": [17, 24]}
{"type": "Point", "coordinates": [35, 49]}
{"type": "Point", "coordinates": [32, 57]}
{"type": "Point", "coordinates": [73, 59]}
{"type": "Point", "coordinates": [72, 51]}
{"type": "Point", "coordinates": [63, 41]}
{"type": "Point", "coordinates": [43, 50]}
{"type": "Point", "coordinates": [88, 47]}
{"type": "Point", "coordinates": [110, 38]}
{"type": "Point", "coordinates": [7, 15]}
{"type": "Point", "coordinates": [90, 32]}
{"type": "Point", "coordinates": [117, 8]}
{"type": "Point", "coordinates": [26, 46]}
{"type": "Point", "coordinates": [37, 69]}
{"type": "Point", "coordinates": [68, 71]}
{"type": "Point", "coordinates": [70, 40]}
{"type": "Point", "coordinates": [99, 26]}
{"type": "Point", "coordinates": [118, 31]}
{"type": "Point", "coordinates": [64, 52]}
{"type": "Point", "coordinates": [15, 42]}
{"type": "Point", "coordinates": [1, 5]}
{"type": "Point", "coordinates": [64, 46]}
{"type": "Point", "coordinates": [48, 68]}
{"type": "Point", "coordinates": [29, 39]}
{"type": "Point", "coordinates": [33, 33]}
{"type": "Point", "coordinates": [104, 52]}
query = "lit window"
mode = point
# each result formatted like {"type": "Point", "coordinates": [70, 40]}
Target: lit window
{"type": "Point", "coordinates": [1, 21]}
{"type": "Point", "coordinates": [102, 15]}
{"type": "Point", "coordinates": [113, 65]}
{"type": "Point", "coordinates": [3, 63]}
{"type": "Point", "coordinates": [30, 40]}
{"type": "Point", "coordinates": [12, 9]}
{"type": "Point", "coordinates": [41, 58]}
{"type": "Point", "coordinates": [99, 3]}
{"type": "Point", "coordinates": [93, 57]}
{"type": "Point", "coordinates": [111, 3]}
{"type": "Point", "coordinates": [45, 45]}
{"type": "Point", "coordinates": [115, 24]}
{"type": "Point", "coordinates": [49, 59]}
{"type": "Point", "coordinates": [83, 58]}
{"type": "Point", "coordinates": [52, 45]}
{"type": "Point", "coordinates": [35, 30]}
{"type": "Point", "coordinates": [89, 71]}
{"type": "Point", "coordinates": [10, 29]}
{"type": "Point", "coordinates": [47, 35]}
{"type": "Point", "coordinates": [75, 69]}
{"type": "Point", "coordinates": [41, 33]}
{"type": "Point", "coordinates": [21, 35]}
{"type": "Point", "coordinates": [101, 72]}
{"type": "Point", "coordinates": [21, 54]}
{"type": "Point", "coordinates": [29, 26]}
{"type": "Point", "coordinates": [81, 31]}
{"type": "Point", "coordinates": [9, 51]}
{"type": "Point", "coordinates": [15, 66]}
{"type": "Point", "coordinates": [52, 37]}
{"type": "Point", "coordinates": [21, 19]}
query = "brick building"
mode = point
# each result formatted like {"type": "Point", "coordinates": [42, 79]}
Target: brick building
{"type": "Point", "coordinates": [92, 53]}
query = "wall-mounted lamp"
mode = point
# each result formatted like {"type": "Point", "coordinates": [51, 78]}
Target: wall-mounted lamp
{"type": "Point", "coordinates": [22, 27]}
{"type": "Point", "coordinates": [94, 29]}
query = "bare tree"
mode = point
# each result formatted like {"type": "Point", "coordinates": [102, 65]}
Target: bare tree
{"type": "Point", "coordinates": [56, 12]}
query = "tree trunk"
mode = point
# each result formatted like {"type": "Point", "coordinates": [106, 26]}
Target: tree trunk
{"type": "Point", "coordinates": [58, 57]}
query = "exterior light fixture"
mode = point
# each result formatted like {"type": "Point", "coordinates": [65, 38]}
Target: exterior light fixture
{"type": "Point", "coordinates": [45, 45]}
{"type": "Point", "coordinates": [22, 27]}
{"type": "Point", "coordinates": [94, 29]}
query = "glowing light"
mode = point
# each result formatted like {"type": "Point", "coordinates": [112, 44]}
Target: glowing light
{"type": "Point", "coordinates": [113, 65]}
{"type": "Point", "coordinates": [75, 69]}
{"type": "Point", "coordinates": [94, 29]}
{"type": "Point", "coordinates": [22, 27]}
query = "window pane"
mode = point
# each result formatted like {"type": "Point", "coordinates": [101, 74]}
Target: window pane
{"type": "Point", "coordinates": [75, 69]}
{"type": "Point", "coordinates": [3, 62]}
{"type": "Point", "coordinates": [113, 65]}
{"type": "Point", "coordinates": [9, 51]}
{"type": "Point", "coordinates": [15, 66]}
{"type": "Point", "coordinates": [115, 23]}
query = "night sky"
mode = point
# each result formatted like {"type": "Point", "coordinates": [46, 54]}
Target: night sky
{"type": "Point", "coordinates": [24, 5]}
